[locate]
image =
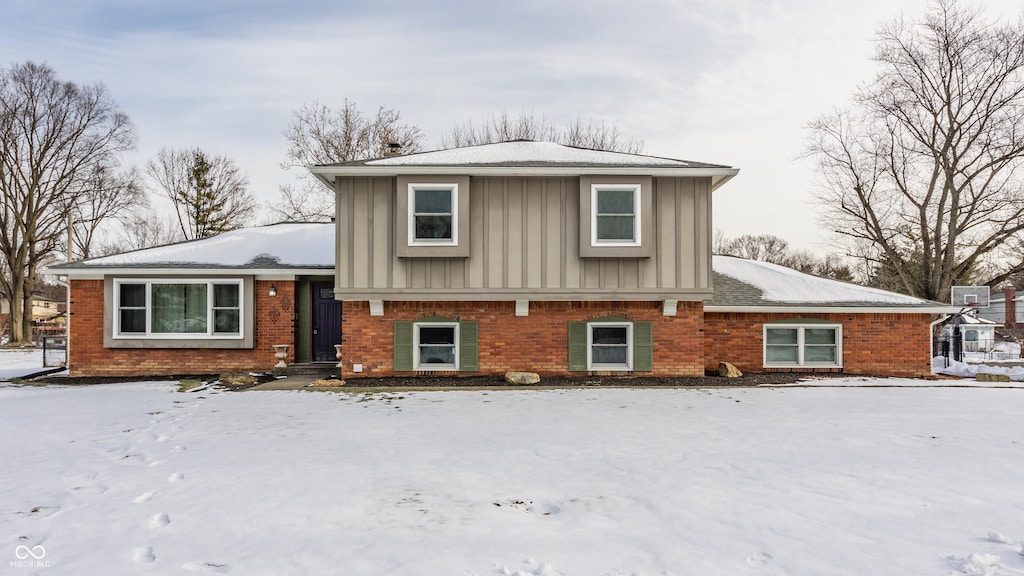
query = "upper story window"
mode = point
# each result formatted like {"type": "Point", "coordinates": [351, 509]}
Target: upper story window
{"type": "Point", "coordinates": [433, 214]}
{"type": "Point", "coordinates": [616, 214]}
{"type": "Point", "coordinates": [177, 309]}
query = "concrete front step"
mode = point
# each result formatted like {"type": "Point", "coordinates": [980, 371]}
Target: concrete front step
{"type": "Point", "coordinates": [320, 370]}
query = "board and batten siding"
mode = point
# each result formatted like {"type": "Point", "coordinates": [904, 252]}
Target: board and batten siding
{"type": "Point", "coordinates": [524, 243]}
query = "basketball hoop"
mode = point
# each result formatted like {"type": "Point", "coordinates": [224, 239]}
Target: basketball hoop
{"type": "Point", "coordinates": [970, 296]}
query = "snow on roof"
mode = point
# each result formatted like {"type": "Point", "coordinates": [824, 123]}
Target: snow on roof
{"type": "Point", "coordinates": [738, 282]}
{"type": "Point", "coordinates": [785, 285]}
{"type": "Point", "coordinates": [285, 245]}
{"type": "Point", "coordinates": [527, 152]}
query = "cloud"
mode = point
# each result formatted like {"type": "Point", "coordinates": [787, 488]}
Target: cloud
{"type": "Point", "coordinates": [729, 82]}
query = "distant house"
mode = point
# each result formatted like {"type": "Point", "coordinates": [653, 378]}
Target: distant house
{"type": "Point", "coordinates": [977, 334]}
{"type": "Point", "coordinates": [1006, 309]}
{"type": "Point", "coordinates": [47, 313]}
{"type": "Point", "coordinates": [522, 256]}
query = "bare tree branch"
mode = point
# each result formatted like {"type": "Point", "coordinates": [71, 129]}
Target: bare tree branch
{"type": "Point", "coordinates": [502, 127]}
{"type": "Point", "coordinates": [209, 193]}
{"type": "Point", "coordinates": [53, 137]}
{"type": "Point", "coordinates": [319, 134]}
{"type": "Point", "coordinates": [922, 172]}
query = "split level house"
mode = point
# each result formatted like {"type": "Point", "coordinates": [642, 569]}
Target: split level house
{"type": "Point", "coordinates": [518, 256]}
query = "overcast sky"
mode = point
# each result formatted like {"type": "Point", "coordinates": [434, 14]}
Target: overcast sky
{"type": "Point", "coordinates": [723, 81]}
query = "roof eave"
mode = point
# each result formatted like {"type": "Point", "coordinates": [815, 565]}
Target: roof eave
{"type": "Point", "coordinates": [98, 272]}
{"type": "Point", "coordinates": [718, 175]}
{"type": "Point", "coordinates": [837, 309]}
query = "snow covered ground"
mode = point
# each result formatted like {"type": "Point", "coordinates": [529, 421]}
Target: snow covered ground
{"type": "Point", "coordinates": [141, 479]}
{"type": "Point", "coordinates": [15, 363]}
{"type": "Point", "coordinates": [1001, 352]}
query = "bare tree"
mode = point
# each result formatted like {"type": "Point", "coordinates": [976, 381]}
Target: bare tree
{"type": "Point", "coordinates": [921, 175]}
{"type": "Point", "coordinates": [599, 136]}
{"type": "Point", "coordinates": [319, 134]}
{"type": "Point", "coordinates": [769, 248]}
{"type": "Point", "coordinates": [503, 127]}
{"type": "Point", "coordinates": [110, 194]}
{"type": "Point", "coordinates": [500, 128]}
{"type": "Point", "coordinates": [53, 134]}
{"type": "Point", "coordinates": [763, 247]}
{"type": "Point", "coordinates": [140, 228]}
{"type": "Point", "coordinates": [209, 193]}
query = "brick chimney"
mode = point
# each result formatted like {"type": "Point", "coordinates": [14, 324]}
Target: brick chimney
{"type": "Point", "coordinates": [1010, 308]}
{"type": "Point", "coordinates": [394, 149]}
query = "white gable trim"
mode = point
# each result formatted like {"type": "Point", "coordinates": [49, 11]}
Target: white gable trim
{"type": "Point", "coordinates": [718, 176]}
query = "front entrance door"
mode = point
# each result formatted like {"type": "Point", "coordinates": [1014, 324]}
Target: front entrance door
{"type": "Point", "coordinates": [326, 322]}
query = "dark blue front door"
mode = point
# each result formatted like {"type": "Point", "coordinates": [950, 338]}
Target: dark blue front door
{"type": "Point", "coordinates": [326, 322]}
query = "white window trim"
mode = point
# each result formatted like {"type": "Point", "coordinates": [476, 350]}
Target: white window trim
{"type": "Point", "coordinates": [149, 334]}
{"type": "Point", "coordinates": [416, 346]}
{"type": "Point", "coordinates": [637, 235]}
{"type": "Point", "coordinates": [591, 365]}
{"type": "Point", "coordinates": [800, 346]}
{"type": "Point", "coordinates": [413, 240]}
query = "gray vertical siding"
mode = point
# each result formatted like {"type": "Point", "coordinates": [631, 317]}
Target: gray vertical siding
{"type": "Point", "coordinates": [524, 235]}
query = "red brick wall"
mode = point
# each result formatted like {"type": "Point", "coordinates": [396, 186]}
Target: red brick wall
{"type": "Point", "coordinates": [534, 343]}
{"type": "Point", "coordinates": [274, 324]}
{"type": "Point", "coordinates": [877, 344]}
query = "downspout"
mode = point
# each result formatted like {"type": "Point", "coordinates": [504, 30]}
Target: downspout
{"type": "Point", "coordinates": [67, 319]}
{"type": "Point", "coordinates": [931, 333]}
{"type": "Point", "coordinates": [931, 327]}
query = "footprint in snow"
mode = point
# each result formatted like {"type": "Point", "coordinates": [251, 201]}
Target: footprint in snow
{"type": "Point", "coordinates": [144, 497]}
{"type": "Point", "coordinates": [85, 484]}
{"type": "Point", "coordinates": [977, 564]}
{"type": "Point", "coordinates": [159, 520]}
{"type": "Point", "coordinates": [163, 438]}
{"type": "Point", "coordinates": [176, 477]}
{"type": "Point", "coordinates": [178, 449]}
{"type": "Point", "coordinates": [209, 567]}
{"type": "Point", "coordinates": [998, 538]}
{"type": "Point", "coordinates": [156, 463]}
{"type": "Point", "coordinates": [143, 555]}
{"type": "Point", "coordinates": [759, 559]}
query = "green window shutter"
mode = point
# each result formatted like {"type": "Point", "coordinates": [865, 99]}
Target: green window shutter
{"type": "Point", "coordinates": [469, 350]}
{"type": "Point", "coordinates": [577, 346]}
{"type": "Point", "coordinates": [643, 347]}
{"type": "Point", "coordinates": [403, 346]}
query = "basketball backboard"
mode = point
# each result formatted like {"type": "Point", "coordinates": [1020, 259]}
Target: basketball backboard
{"type": "Point", "coordinates": [972, 296]}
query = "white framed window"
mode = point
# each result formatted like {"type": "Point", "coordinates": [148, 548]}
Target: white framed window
{"type": "Point", "coordinates": [615, 215]}
{"type": "Point", "coordinates": [178, 308]}
{"type": "Point", "coordinates": [433, 214]}
{"type": "Point", "coordinates": [610, 346]}
{"type": "Point", "coordinates": [803, 345]}
{"type": "Point", "coordinates": [435, 345]}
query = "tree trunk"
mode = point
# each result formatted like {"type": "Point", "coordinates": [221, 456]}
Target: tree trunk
{"type": "Point", "coordinates": [18, 313]}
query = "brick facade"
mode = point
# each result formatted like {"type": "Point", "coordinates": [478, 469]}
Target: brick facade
{"type": "Point", "coordinates": [535, 343]}
{"type": "Point", "coordinates": [273, 319]}
{"type": "Point", "coordinates": [684, 345]}
{"type": "Point", "coordinates": [876, 344]}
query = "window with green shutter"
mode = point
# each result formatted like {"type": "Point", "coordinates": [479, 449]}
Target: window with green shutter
{"type": "Point", "coordinates": [643, 347]}
{"type": "Point", "coordinates": [403, 346]}
{"type": "Point", "coordinates": [614, 344]}
{"type": "Point", "coordinates": [469, 350]}
{"type": "Point", "coordinates": [577, 346]}
{"type": "Point", "coordinates": [436, 344]}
